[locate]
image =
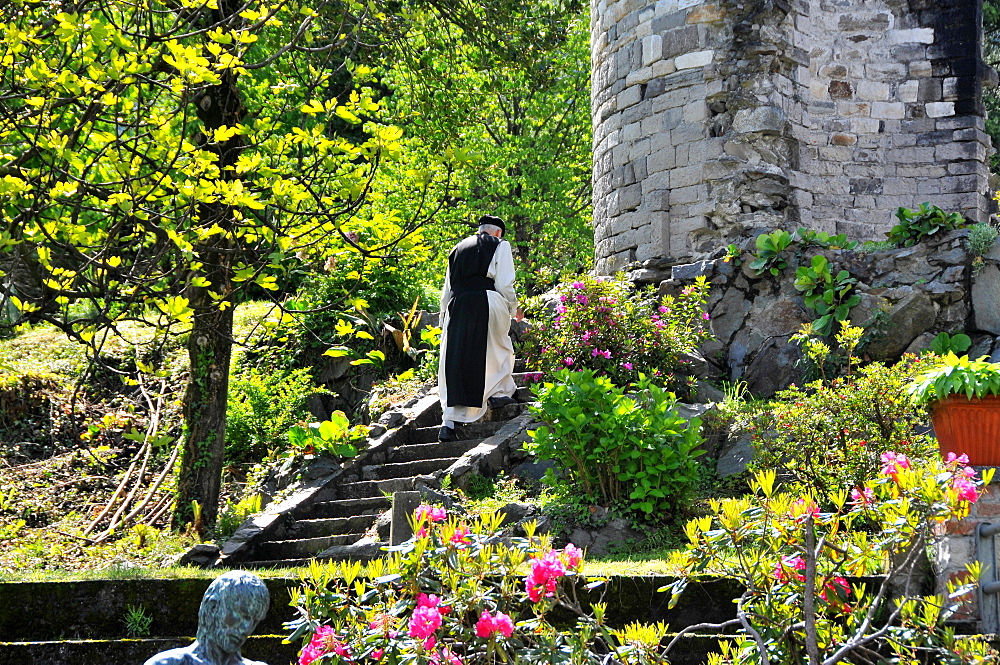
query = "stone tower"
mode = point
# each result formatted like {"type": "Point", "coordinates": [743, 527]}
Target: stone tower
{"type": "Point", "coordinates": [716, 119]}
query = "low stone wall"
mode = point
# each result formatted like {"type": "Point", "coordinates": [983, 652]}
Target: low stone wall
{"type": "Point", "coordinates": [908, 295]}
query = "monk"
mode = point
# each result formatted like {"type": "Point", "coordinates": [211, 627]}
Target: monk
{"type": "Point", "coordinates": [477, 303]}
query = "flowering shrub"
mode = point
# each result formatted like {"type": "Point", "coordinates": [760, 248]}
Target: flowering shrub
{"type": "Point", "coordinates": [442, 600]}
{"type": "Point", "coordinates": [794, 561]}
{"type": "Point", "coordinates": [832, 433]}
{"type": "Point", "coordinates": [635, 451]}
{"type": "Point", "coordinates": [604, 325]}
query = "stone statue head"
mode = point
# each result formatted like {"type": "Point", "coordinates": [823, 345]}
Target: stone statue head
{"type": "Point", "coordinates": [231, 608]}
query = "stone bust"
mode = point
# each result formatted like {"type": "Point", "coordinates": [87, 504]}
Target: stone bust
{"type": "Point", "coordinates": [231, 608]}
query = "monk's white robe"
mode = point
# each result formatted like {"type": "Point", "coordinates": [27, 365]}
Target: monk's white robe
{"type": "Point", "coordinates": [499, 348]}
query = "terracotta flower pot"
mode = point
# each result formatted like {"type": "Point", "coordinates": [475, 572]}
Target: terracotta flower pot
{"type": "Point", "coordinates": [970, 426]}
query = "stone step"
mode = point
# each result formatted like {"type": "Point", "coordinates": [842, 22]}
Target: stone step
{"type": "Point", "coordinates": [273, 564]}
{"type": "Point", "coordinates": [318, 528]}
{"type": "Point", "coordinates": [350, 507]}
{"type": "Point", "coordinates": [518, 364]}
{"type": "Point", "coordinates": [511, 411]}
{"type": "Point", "coordinates": [466, 431]}
{"type": "Point", "coordinates": [302, 547]}
{"type": "Point", "coordinates": [402, 470]}
{"type": "Point", "coordinates": [377, 488]}
{"type": "Point", "coordinates": [422, 451]}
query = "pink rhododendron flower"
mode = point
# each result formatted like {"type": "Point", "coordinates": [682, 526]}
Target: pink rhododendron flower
{"type": "Point", "coordinates": [865, 498]}
{"type": "Point", "coordinates": [894, 463]}
{"type": "Point", "coordinates": [430, 513]}
{"type": "Point", "coordinates": [461, 536]}
{"type": "Point", "coordinates": [966, 490]}
{"type": "Point", "coordinates": [573, 556]}
{"type": "Point", "coordinates": [377, 654]}
{"type": "Point", "coordinates": [425, 620]}
{"type": "Point", "coordinates": [445, 657]}
{"type": "Point", "coordinates": [563, 298]}
{"type": "Point", "coordinates": [627, 366]}
{"type": "Point", "coordinates": [324, 641]}
{"type": "Point", "coordinates": [961, 460]}
{"type": "Point", "coordinates": [544, 576]}
{"type": "Point", "coordinates": [560, 309]}
{"type": "Point", "coordinates": [705, 315]}
{"type": "Point", "coordinates": [663, 309]}
{"type": "Point", "coordinates": [802, 509]}
{"type": "Point", "coordinates": [487, 626]}
{"type": "Point", "coordinates": [567, 361]}
{"type": "Point", "coordinates": [840, 588]}
{"type": "Point", "coordinates": [795, 562]}
{"type": "Point", "coordinates": [578, 285]}
{"type": "Point", "coordinates": [583, 300]}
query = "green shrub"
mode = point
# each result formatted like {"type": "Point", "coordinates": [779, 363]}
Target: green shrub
{"type": "Point", "coordinates": [831, 434]}
{"type": "Point", "coordinates": [617, 449]}
{"type": "Point", "coordinates": [925, 221]}
{"type": "Point", "coordinates": [262, 407]}
{"type": "Point", "coordinates": [604, 325]}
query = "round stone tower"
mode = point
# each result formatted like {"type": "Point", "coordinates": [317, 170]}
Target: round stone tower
{"type": "Point", "coordinates": [714, 121]}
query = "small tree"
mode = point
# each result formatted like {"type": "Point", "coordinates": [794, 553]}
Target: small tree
{"type": "Point", "coordinates": [161, 160]}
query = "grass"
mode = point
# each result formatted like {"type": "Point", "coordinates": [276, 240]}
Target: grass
{"type": "Point", "coordinates": [114, 573]}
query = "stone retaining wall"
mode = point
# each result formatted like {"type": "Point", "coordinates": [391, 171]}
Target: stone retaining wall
{"type": "Point", "coordinates": [908, 295]}
{"type": "Point", "coordinates": [716, 119]}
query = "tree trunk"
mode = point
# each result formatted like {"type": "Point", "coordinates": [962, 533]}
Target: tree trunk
{"type": "Point", "coordinates": [205, 398]}
{"type": "Point", "coordinates": [211, 342]}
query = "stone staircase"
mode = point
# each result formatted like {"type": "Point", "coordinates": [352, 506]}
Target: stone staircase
{"type": "Point", "coordinates": [346, 516]}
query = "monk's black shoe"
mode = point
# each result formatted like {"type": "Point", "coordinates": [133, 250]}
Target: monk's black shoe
{"type": "Point", "coordinates": [447, 434]}
{"type": "Point", "coordinates": [500, 400]}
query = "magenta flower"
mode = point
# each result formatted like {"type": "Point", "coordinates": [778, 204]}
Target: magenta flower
{"type": "Point", "coordinates": [789, 563]}
{"type": "Point", "coordinates": [430, 513]}
{"type": "Point", "coordinates": [961, 460]}
{"type": "Point", "coordinates": [544, 576]}
{"type": "Point", "coordinates": [560, 309]}
{"type": "Point", "coordinates": [705, 316]}
{"type": "Point", "coordinates": [461, 536]}
{"type": "Point", "coordinates": [324, 641]}
{"type": "Point", "coordinates": [425, 620]}
{"type": "Point", "coordinates": [583, 300]}
{"type": "Point", "coordinates": [966, 490]}
{"type": "Point", "coordinates": [664, 309]}
{"type": "Point", "coordinates": [865, 498]}
{"type": "Point", "coordinates": [488, 626]}
{"type": "Point", "coordinates": [627, 366]}
{"type": "Point", "coordinates": [563, 298]}
{"type": "Point", "coordinates": [567, 361]}
{"type": "Point", "coordinates": [578, 285]}
{"type": "Point", "coordinates": [573, 556]}
{"type": "Point", "coordinates": [894, 463]}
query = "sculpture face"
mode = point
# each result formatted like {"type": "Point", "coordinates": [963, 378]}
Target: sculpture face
{"type": "Point", "coordinates": [230, 623]}
{"type": "Point", "coordinates": [232, 607]}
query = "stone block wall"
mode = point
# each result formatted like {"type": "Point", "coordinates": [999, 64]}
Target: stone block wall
{"type": "Point", "coordinates": [714, 120]}
{"type": "Point", "coordinates": [908, 296]}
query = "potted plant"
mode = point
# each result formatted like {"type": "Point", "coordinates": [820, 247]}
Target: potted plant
{"type": "Point", "coordinates": [962, 396]}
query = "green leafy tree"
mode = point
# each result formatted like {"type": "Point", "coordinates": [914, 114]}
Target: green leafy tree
{"type": "Point", "coordinates": [161, 160]}
{"type": "Point", "coordinates": [508, 85]}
